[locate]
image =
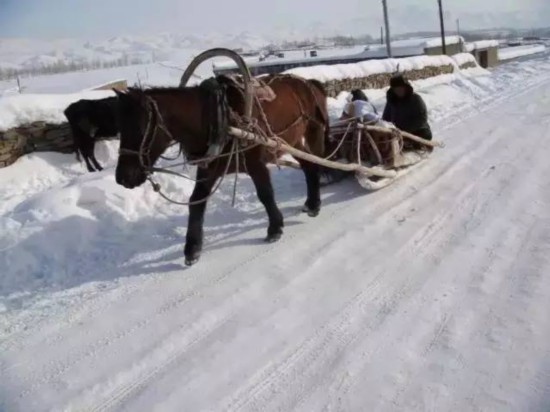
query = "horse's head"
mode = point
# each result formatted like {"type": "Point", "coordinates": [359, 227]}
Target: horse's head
{"type": "Point", "coordinates": [142, 139]}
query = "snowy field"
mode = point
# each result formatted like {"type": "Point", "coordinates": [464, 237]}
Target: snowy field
{"type": "Point", "coordinates": [430, 295]}
{"type": "Point", "coordinates": [163, 73]}
{"type": "Point", "coordinates": [153, 74]}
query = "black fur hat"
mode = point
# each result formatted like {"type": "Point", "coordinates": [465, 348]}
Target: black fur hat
{"type": "Point", "coordinates": [398, 80]}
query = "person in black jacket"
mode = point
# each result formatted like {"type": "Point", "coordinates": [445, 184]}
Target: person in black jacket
{"type": "Point", "coordinates": [406, 109]}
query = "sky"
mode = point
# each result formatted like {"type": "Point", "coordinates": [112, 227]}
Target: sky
{"type": "Point", "coordinates": [101, 18]}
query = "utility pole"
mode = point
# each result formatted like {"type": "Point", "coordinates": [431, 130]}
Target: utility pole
{"type": "Point", "coordinates": [444, 46]}
{"type": "Point", "coordinates": [387, 23]}
{"type": "Point", "coordinates": [458, 34]}
{"type": "Point", "coordinates": [381, 35]}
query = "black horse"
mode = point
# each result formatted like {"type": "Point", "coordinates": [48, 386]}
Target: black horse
{"type": "Point", "coordinates": [90, 120]}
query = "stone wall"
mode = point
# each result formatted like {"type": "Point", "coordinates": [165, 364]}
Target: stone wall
{"type": "Point", "coordinates": [381, 80]}
{"type": "Point", "coordinates": [35, 137]}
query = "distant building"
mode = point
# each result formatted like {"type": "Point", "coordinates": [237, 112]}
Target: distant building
{"type": "Point", "coordinates": [400, 48]}
{"type": "Point", "coordinates": [485, 52]}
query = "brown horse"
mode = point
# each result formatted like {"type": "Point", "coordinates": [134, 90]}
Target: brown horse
{"type": "Point", "coordinates": [149, 119]}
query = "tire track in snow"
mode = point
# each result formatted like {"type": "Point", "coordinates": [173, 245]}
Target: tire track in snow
{"type": "Point", "coordinates": [53, 369]}
{"type": "Point", "coordinates": [56, 368]}
{"type": "Point", "coordinates": [128, 390]}
{"type": "Point", "coordinates": [266, 383]}
{"type": "Point", "coordinates": [483, 210]}
{"type": "Point", "coordinates": [340, 331]}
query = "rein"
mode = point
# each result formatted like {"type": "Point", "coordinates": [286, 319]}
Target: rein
{"type": "Point", "coordinates": [144, 149]}
{"type": "Point", "coordinates": [144, 152]}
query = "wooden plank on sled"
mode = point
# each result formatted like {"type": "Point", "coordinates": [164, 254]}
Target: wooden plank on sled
{"type": "Point", "coordinates": [281, 145]}
{"type": "Point", "coordinates": [341, 126]}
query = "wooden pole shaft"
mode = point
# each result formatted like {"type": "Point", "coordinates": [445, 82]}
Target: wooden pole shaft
{"type": "Point", "coordinates": [405, 135]}
{"type": "Point", "coordinates": [274, 144]}
{"type": "Point", "coordinates": [341, 126]}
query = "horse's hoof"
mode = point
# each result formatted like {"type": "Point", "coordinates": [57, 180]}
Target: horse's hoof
{"type": "Point", "coordinates": [275, 237]}
{"type": "Point", "coordinates": [311, 212]}
{"type": "Point", "coordinates": [191, 261]}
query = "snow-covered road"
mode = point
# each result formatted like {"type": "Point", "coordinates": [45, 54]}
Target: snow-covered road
{"type": "Point", "coordinates": [431, 295]}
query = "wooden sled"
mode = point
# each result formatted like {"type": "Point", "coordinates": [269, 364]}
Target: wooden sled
{"type": "Point", "coordinates": [367, 142]}
{"type": "Point", "coordinates": [379, 149]}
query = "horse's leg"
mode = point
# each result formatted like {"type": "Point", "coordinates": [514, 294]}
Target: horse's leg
{"type": "Point", "coordinates": [95, 162]}
{"type": "Point", "coordinates": [314, 137]}
{"type": "Point", "coordinates": [89, 165]}
{"type": "Point", "coordinates": [80, 140]}
{"type": "Point", "coordinates": [313, 202]}
{"type": "Point", "coordinates": [193, 242]}
{"type": "Point", "coordinates": [88, 148]}
{"type": "Point", "coordinates": [262, 181]}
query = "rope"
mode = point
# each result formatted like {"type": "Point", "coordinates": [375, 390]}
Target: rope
{"type": "Point", "coordinates": [157, 187]}
{"type": "Point", "coordinates": [359, 146]}
{"type": "Point", "coordinates": [341, 142]}
{"type": "Point", "coordinates": [374, 147]}
{"type": "Point", "coordinates": [171, 159]}
{"type": "Point", "coordinates": [395, 135]}
{"type": "Point", "coordinates": [236, 175]}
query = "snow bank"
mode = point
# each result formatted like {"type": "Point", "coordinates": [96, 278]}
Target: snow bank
{"type": "Point", "coordinates": [520, 51]}
{"type": "Point", "coordinates": [462, 59]}
{"type": "Point", "coordinates": [482, 44]}
{"type": "Point", "coordinates": [59, 224]}
{"type": "Point", "coordinates": [436, 41]}
{"type": "Point", "coordinates": [28, 108]}
{"type": "Point", "coordinates": [325, 73]}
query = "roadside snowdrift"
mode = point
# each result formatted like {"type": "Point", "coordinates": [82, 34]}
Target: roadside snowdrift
{"type": "Point", "coordinates": [326, 73]}
{"type": "Point", "coordinates": [23, 109]}
{"type": "Point", "coordinates": [375, 74]}
{"type": "Point", "coordinates": [520, 51]}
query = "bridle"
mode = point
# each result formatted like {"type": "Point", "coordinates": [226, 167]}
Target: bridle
{"type": "Point", "coordinates": [149, 136]}
{"type": "Point", "coordinates": [146, 145]}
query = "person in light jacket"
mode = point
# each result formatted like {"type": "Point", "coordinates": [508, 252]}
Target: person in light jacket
{"type": "Point", "coordinates": [360, 108]}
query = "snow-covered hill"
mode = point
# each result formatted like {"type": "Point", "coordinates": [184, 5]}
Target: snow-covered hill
{"type": "Point", "coordinates": [28, 53]}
